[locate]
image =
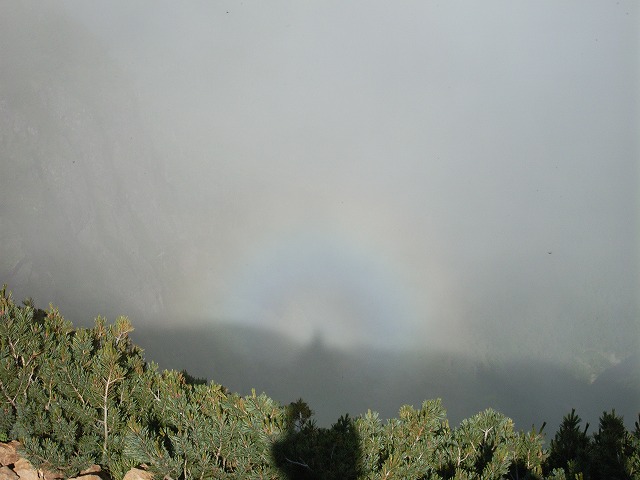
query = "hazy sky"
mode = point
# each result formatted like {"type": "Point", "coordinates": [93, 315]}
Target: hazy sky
{"type": "Point", "coordinates": [408, 174]}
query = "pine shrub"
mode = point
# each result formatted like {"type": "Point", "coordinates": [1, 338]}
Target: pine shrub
{"type": "Point", "coordinates": [76, 397]}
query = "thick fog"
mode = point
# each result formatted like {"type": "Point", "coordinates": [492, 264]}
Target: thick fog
{"type": "Point", "coordinates": [282, 194]}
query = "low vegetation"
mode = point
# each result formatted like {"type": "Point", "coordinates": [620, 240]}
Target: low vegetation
{"type": "Point", "coordinates": [75, 397]}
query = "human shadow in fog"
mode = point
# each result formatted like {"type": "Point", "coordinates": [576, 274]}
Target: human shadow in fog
{"type": "Point", "coordinates": [309, 452]}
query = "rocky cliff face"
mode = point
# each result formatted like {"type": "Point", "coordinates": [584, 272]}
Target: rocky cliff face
{"type": "Point", "coordinates": [83, 189]}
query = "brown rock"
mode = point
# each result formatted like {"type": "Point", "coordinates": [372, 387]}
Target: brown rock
{"type": "Point", "coordinates": [46, 475]}
{"type": "Point", "coordinates": [25, 470]}
{"type": "Point", "coordinates": [7, 474]}
{"type": "Point", "coordinates": [94, 472]}
{"type": "Point", "coordinates": [8, 453]}
{"type": "Point", "coordinates": [138, 474]}
{"type": "Point", "coordinates": [92, 469]}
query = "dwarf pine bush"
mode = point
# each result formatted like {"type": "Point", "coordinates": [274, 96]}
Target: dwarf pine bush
{"type": "Point", "coordinates": [75, 397]}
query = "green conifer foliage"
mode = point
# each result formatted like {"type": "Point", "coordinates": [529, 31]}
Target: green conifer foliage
{"type": "Point", "coordinates": [21, 348]}
{"type": "Point", "coordinates": [570, 447]}
{"type": "Point", "coordinates": [201, 431]}
{"type": "Point", "coordinates": [414, 441]}
{"type": "Point", "coordinates": [634, 460]}
{"type": "Point", "coordinates": [372, 442]}
{"type": "Point", "coordinates": [83, 385]}
{"type": "Point", "coordinates": [299, 415]}
{"type": "Point", "coordinates": [305, 451]}
{"type": "Point", "coordinates": [611, 449]}
{"type": "Point", "coordinates": [530, 457]}
{"type": "Point", "coordinates": [486, 446]}
{"type": "Point", "coordinates": [75, 397]}
{"type": "Point", "coordinates": [52, 426]}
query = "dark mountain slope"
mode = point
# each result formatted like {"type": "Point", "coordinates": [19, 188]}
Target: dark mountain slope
{"type": "Point", "coordinates": [336, 381]}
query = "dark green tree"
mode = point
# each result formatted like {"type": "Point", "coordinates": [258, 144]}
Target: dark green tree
{"type": "Point", "coordinates": [299, 415]}
{"type": "Point", "coordinates": [570, 447]}
{"type": "Point", "coordinates": [191, 380]}
{"type": "Point", "coordinates": [634, 460]}
{"type": "Point", "coordinates": [612, 449]}
{"type": "Point", "coordinates": [306, 451]}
